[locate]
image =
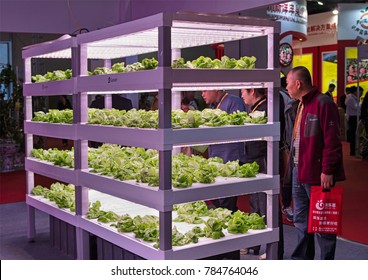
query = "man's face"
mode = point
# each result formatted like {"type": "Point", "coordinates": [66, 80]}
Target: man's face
{"type": "Point", "coordinates": [292, 85]}
{"type": "Point", "coordinates": [210, 96]}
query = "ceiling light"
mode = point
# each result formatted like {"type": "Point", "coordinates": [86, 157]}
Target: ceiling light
{"type": "Point", "coordinates": [320, 3]}
{"type": "Point", "coordinates": [335, 12]}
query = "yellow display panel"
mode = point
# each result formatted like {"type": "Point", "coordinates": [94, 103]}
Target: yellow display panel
{"type": "Point", "coordinates": [305, 60]}
{"type": "Point", "coordinates": [329, 71]}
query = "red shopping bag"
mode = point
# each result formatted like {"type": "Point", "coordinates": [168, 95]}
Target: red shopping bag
{"type": "Point", "coordinates": [325, 210]}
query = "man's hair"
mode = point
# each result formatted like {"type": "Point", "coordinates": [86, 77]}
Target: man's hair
{"type": "Point", "coordinates": [259, 92]}
{"type": "Point", "coordinates": [331, 86]}
{"type": "Point", "coordinates": [302, 73]}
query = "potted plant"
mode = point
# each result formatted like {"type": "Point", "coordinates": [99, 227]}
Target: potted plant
{"type": "Point", "coordinates": [11, 118]}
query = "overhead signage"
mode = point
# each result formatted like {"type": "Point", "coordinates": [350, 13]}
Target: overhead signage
{"type": "Point", "coordinates": [353, 21]}
{"type": "Point", "coordinates": [293, 17]}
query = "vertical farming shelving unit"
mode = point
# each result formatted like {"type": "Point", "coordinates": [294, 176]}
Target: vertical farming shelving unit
{"type": "Point", "coordinates": [165, 34]}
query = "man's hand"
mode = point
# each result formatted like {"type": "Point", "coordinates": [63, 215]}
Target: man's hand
{"type": "Point", "coordinates": [326, 181]}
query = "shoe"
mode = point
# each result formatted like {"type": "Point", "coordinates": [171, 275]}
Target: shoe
{"type": "Point", "coordinates": [288, 212]}
{"type": "Point", "coordinates": [262, 257]}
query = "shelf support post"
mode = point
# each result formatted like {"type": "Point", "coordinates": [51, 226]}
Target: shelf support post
{"type": "Point", "coordinates": [80, 115]}
{"type": "Point", "coordinates": [28, 112]}
{"type": "Point", "coordinates": [273, 146]}
{"type": "Point", "coordinates": [164, 124]}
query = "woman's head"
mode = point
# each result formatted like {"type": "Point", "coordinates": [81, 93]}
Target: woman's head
{"type": "Point", "coordinates": [252, 95]}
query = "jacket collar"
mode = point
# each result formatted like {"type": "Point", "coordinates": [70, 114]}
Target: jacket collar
{"type": "Point", "coordinates": [214, 105]}
{"type": "Point", "coordinates": [310, 95]}
{"type": "Point", "coordinates": [258, 101]}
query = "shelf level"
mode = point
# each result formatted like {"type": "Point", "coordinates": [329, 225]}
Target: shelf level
{"type": "Point", "coordinates": [46, 206]}
{"type": "Point", "coordinates": [204, 248]}
{"type": "Point", "coordinates": [226, 187]}
{"type": "Point", "coordinates": [129, 190]}
{"type": "Point", "coordinates": [57, 130]}
{"type": "Point", "coordinates": [165, 139]}
{"type": "Point", "coordinates": [145, 80]}
{"type": "Point", "coordinates": [49, 88]}
{"type": "Point", "coordinates": [178, 80]}
{"type": "Point", "coordinates": [59, 48]}
{"type": "Point", "coordinates": [162, 201]}
{"type": "Point", "coordinates": [47, 169]}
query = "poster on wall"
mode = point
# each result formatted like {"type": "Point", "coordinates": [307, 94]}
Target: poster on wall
{"type": "Point", "coordinates": [305, 60]}
{"type": "Point", "coordinates": [353, 71]}
{"type": "Point", "coordinates": [329, 71]}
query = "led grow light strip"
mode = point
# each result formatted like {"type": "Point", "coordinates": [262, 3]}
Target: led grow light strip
{"type": "Point", "coordinates": [218, 142]}
{"type": "Point", "coordinates": [190, 87]}
{"type": "Point", "coordinates": [67, 53]}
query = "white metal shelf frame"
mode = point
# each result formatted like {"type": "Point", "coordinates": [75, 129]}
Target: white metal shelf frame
{"type": "Point", "coordinates": [166, 80]}
{"type": "Point", "coordinates": [61, 48]}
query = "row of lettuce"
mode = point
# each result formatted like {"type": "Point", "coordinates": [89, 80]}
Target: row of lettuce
{"type": "Point", "coordinates": [210, 223]}
{"type": "Point", "coordinates": [129, 163]}
{"type": "Point", "coordinates": [149, 119]}
{"type": "Point", "coordinates": [202, 62]}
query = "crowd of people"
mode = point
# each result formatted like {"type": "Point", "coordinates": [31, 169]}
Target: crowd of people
{"type": "Point", "coordinates": [355, 112]}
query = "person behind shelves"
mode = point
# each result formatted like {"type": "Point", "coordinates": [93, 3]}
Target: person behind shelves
{"type": "Point", "coordinates": [287, 117]}
{"type": "Point", "coordinates": [218, 99]}
{"type": "Point", "coordinates": [343, 98]}
{"type": "Point", "coordinates": [317, 157]}
{"type": "Point", "coordinates": [154, 103]}
{"type": "Point", "coordinates": [352, 104]}
{"type": "Point", "coordinates": [331, 88]}
{"type": "Point", "coordinates": [364, 113]}
{"type": "Point", "coordinates": [193, 102]}
{"type": "Point", "coordinates": [118, 102]}
{"type": "Point", "coordinates": [63, 104]}
{"type": "Point", "coordinates": [144, 102]}
{"type": "Point", "coordinates": [185, 105]}
{"type": "Point", "coordinates": [256, 99]}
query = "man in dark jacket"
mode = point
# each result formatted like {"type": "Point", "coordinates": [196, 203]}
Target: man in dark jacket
{"type": "Point", "coordinates": [118, 102]}
{"type": "Point", "coordinates": [331, 88]}
{"type": "Point", "coordinates": [218, 99]}
{"type": "Point", "coordinates": [317, 157]}
{"type": "Point", "coordinates": [256, 151]}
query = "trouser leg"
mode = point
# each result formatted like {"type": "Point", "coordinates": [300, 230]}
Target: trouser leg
{"type": "Point", "coordinates": [327, 243]}
{"type": "Point", "coordinates": [258, 203]}
{"type": "Point", "coordinates": [286, 192]}
{"type": "Point", "coordinates": [281, 237]}
{"type": "Point", "coordinates": [305, 243]}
